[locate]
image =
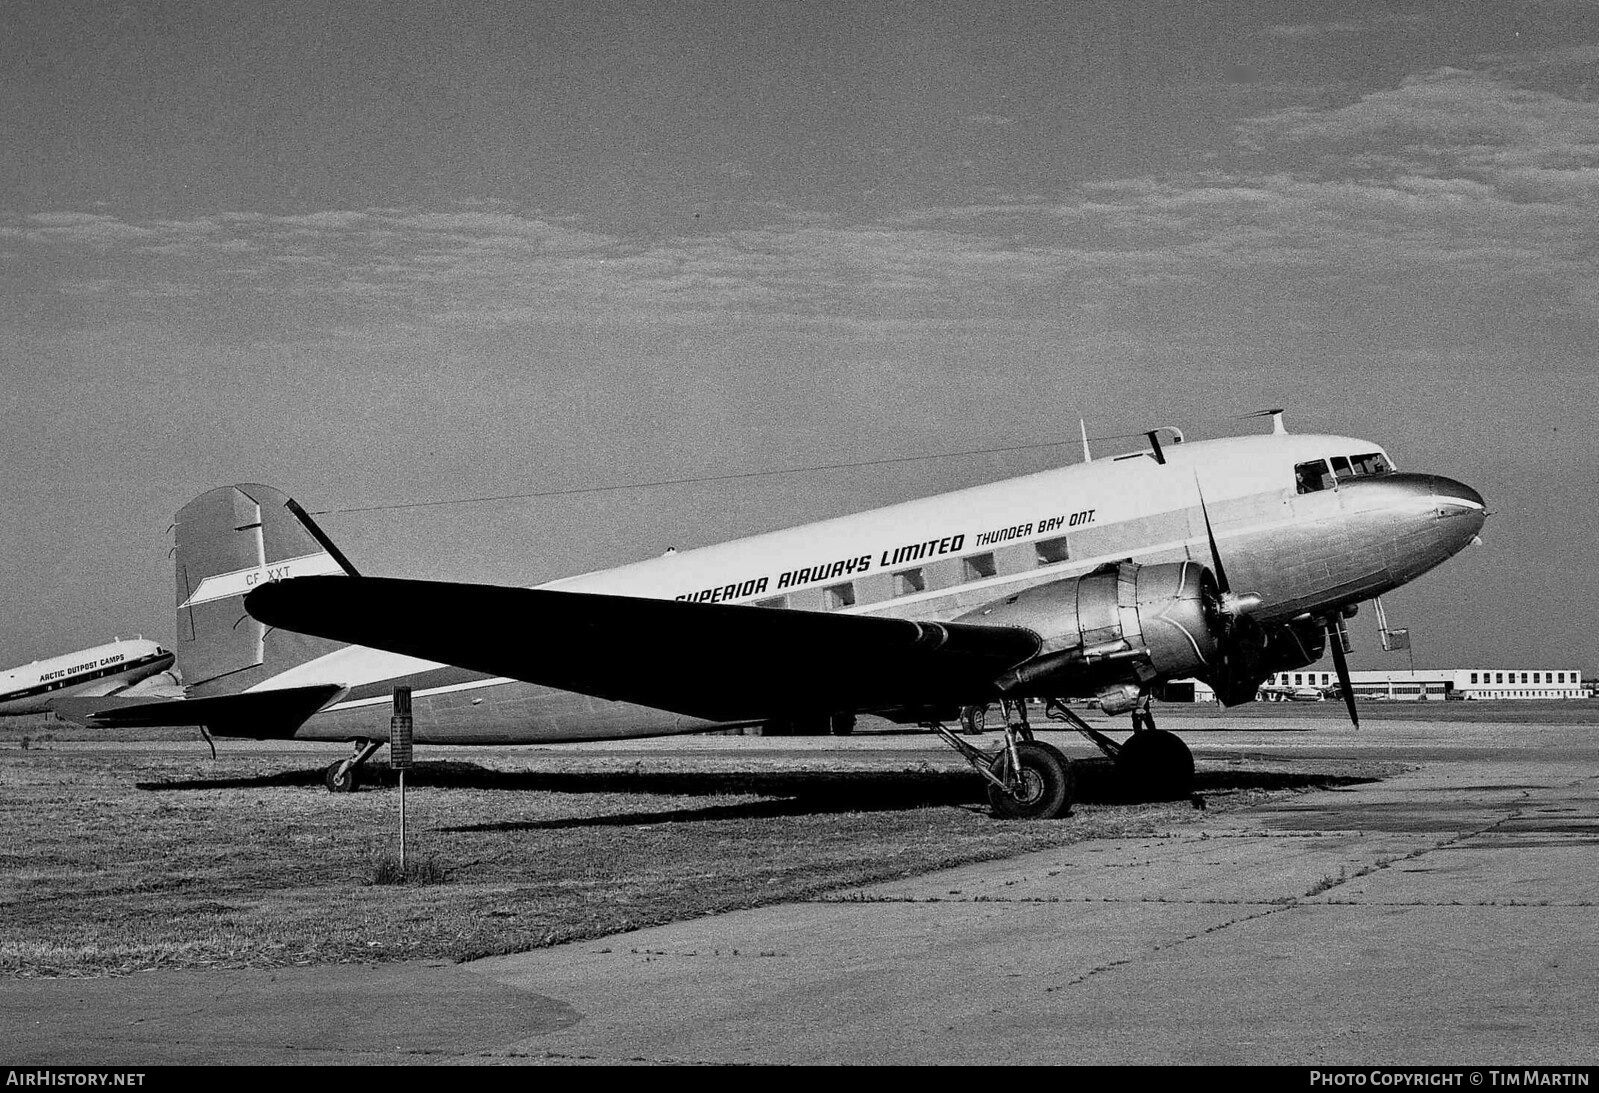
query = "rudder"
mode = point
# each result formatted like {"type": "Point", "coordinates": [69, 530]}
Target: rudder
{"type": "Point", "coordinates": [229, 540]}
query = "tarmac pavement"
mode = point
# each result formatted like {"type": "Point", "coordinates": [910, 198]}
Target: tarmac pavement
{"type": "Point", "coordinates": [1444, 916]}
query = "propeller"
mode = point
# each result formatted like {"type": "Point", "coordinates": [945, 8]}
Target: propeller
{"type": "Point", "coordinates": [1338, 638]}
{"type": "Point", "coordinates": [1234, 605]}
{"type": "Point", "coordinates": [1235, 679]}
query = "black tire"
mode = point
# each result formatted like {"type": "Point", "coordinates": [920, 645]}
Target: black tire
{"type": "Point", "coordinates": [842, 724]}
{"type": "Point", "coordinates": [1156, 765]}
{"type": "Point", "coordinates": [1046, 784]}
{"type": "Point", "coordinates": [340, 777]}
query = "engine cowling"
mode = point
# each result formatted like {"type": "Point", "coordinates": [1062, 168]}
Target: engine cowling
{"type": "Point", "coordinates": [1124, 625]}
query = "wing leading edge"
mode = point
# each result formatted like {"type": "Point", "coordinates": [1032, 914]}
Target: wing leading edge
{"type": "Point", "coordinates": [721, 662]}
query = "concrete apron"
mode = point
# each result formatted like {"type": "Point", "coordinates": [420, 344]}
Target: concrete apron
{"type": "Point", "coordinates": [1443, 916]}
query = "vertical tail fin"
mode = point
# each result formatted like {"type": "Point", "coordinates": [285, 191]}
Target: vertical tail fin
{"type": "Point", "coordinates": [228, 541]}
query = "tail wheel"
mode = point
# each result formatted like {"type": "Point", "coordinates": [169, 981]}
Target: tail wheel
{"type": "Point", "coordinates": [1040, 790]}
{"type": "Point", "coordinates": [1157, 765]}
{"type": "Point", "coordinates": [340, 777]}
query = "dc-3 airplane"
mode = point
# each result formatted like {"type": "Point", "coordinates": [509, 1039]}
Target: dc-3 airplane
{"type": "Point", "coordinates": [116, 667]}
{"type": "Point", "coordinates": [1225, 560]}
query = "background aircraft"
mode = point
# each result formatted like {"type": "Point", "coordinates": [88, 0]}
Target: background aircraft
{"type": "Point", "coordinates": [1227, 560]}
{"type": "Point", "coordinates": [107, 669]}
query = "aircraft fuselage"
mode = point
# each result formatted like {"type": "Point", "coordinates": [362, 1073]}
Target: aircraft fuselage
{"type": "Point", "coordinates": [1303, 524]}
{"type": "Point", "coordinates": [102, 670]}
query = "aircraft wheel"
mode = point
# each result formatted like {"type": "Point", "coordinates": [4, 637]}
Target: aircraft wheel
{"type": "Point", "coordinates": [1156, 765]}
{"type": "Point", "coordinates": [1045, 788]}
{"type": "Point", "coordinates": [842, 724]}
{"type": "Point", "coordinates": [340, 777]}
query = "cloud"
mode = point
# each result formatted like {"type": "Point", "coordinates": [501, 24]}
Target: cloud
{"type": "Point", "coordinates": [1448, 118]}
{"type": "Point", "coordinates": [1454, 187]}
{"type": "Point", "coordinates": [74, 229]}
{"type": "Point", "coordinates": [1304, 32]}
{"type": "Point", "coordinates": [479, 268]}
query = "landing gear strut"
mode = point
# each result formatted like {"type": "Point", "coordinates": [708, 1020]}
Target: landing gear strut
{"type": "Point", "coordinates": [1154, 765]}
{"type": "Point", "coordinates": [1027, 780]}
{"type": "Point", "coordinates": [341, 776]}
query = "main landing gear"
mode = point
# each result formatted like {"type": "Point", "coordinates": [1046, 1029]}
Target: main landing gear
{"type": "Point", "coordinates": [1033, 781]}
{"type": "Point", "coordinates": [1153, 764]}
{"type": "Point", "coordinates": [1027, 780]}
{"type": "Point", "coordinates": [341, 776]}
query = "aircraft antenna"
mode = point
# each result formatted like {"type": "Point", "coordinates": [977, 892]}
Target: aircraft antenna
{"type": "Point", "coordinates": [1082, 423]}
{"type": "Point", "coordinates": [1276, 415]}
{"type": "Point", "coordinates": [1154, 444]}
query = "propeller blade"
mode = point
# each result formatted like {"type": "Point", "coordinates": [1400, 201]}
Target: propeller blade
{"type": "Point", "coordinates": [1335, 638]}
{"type": "Point", "coordinates": [1215, 555]}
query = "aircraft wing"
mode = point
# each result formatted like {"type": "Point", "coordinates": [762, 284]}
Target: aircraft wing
{"type": "Point", "coordinates": [262, 715]}
{"type": "Point", "coordinates": [721, 662]}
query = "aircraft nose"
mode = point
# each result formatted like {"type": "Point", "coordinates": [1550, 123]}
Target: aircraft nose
{"type": "Point", "coordinates": [1460, 510]}
{"type": "Point", "coordinates": [1457, 499]}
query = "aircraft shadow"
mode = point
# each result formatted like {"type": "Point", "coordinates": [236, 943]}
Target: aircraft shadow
{"type": "Point", "coordinates": [287, 779]}
{"type": "Point", "coordinates": [785, 793]}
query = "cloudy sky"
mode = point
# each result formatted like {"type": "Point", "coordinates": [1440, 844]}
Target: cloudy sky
{"type": "Point", "coordinates": [386, 253]}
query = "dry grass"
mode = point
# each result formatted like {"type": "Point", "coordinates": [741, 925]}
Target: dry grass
{"type": "Point", "coordinates": [119, 857]}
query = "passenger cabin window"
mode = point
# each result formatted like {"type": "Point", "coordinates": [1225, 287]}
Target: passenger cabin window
{"type": "Point", "coordinates": [839, 596]}
{"type": "Point", "coordinates": [977, 567]}
{"type": "Point", "coordinates": [1372, 463]}
{"type": "Point", "coordinates": [1313, 476]}
{"type": "Point", "coordinates": [910, 581]}
{"type": "Point", "coordinates": [1051, 551]}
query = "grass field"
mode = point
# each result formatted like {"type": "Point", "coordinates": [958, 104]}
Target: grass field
{"type": "Point", "coordinates": [147, 853]}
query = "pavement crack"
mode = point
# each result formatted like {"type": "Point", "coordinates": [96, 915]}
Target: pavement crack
{"type": "Point", "coordinates": [1165, 946]}
{"type": "Point", "coordinates": [1048, 900]}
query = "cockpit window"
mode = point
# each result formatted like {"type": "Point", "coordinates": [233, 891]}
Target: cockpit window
{"type": "Point", "coordinates": [1374, 463]}
{"type": "Point", "coordinates": [1313, 476]}
{"type": "Point", "coordinates": [1341, 468]}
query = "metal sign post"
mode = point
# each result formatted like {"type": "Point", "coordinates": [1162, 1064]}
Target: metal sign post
{"type": "Point", "coordinates": [400, 753]}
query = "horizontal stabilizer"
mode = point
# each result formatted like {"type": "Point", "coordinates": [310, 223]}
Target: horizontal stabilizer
{"type": "Point", "coordinates": [262, 715]}
{"type": "Point", "coordinates": [721, 662]}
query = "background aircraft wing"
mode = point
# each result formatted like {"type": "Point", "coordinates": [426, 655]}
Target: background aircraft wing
{"type": "Point", "coordinates": [721, 662]}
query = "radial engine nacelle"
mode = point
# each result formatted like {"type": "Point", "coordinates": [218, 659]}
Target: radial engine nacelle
{"type": "Point", "coordinates": [1116, 630]}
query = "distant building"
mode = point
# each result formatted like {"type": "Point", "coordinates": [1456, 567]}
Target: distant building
{"type": "Point", "coordinates": [1467, 683]}
{"type": "Point", "coordinates": [1406, 686]}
